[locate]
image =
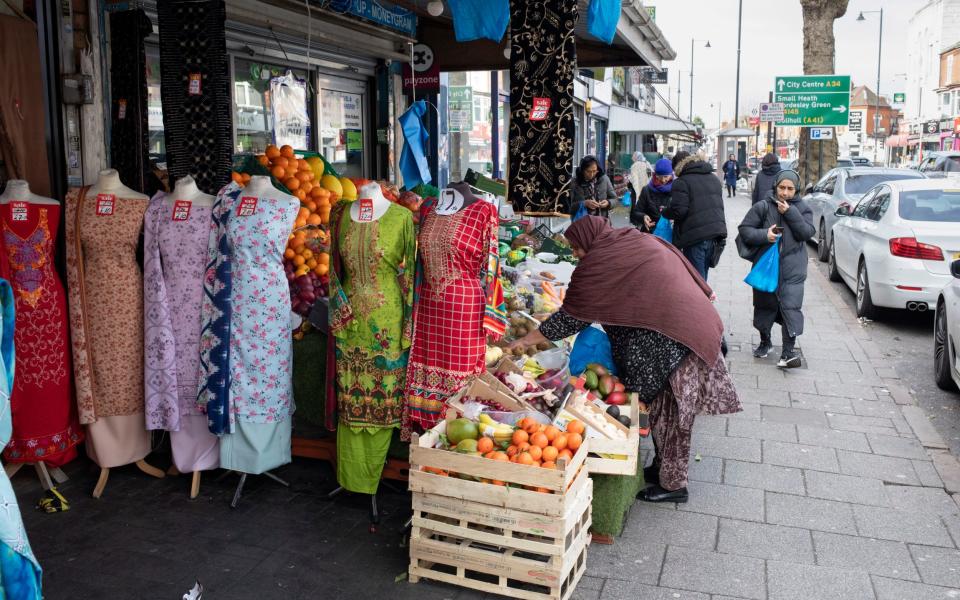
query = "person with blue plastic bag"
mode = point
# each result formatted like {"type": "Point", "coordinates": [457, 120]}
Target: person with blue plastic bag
{"type": "Point", "coordinates": [664, 337]}
{"type": "Point", "coordinates": [781, 223]}
{"type": "Point", "coordinates": [653, 197]}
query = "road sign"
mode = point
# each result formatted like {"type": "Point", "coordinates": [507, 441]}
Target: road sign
{"type": "Point", "coordinates": [821, 133]}
{"type": "Point", "coordinates": [771, 111]}
{"type": "Point", "coordinates": [813, 100]}
{"type": "Point", "coordinates": [460, 108]}
{"type": "Point", "coordinates": [754, 121]}
{"type": "Point", "coordinates": [899, 98]}
{"type": "Point", "coordinates": [856, 120]}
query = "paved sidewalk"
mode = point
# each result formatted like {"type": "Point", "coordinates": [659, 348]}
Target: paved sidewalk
{"type": "Point", "coordinates": [819, 489]}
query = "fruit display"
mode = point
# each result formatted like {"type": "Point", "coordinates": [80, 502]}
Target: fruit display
{"type": "Point", "coordinates": [598, 379]}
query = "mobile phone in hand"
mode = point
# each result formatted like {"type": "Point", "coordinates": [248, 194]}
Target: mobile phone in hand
{"type": "Point", "coordinates": [778, 230]}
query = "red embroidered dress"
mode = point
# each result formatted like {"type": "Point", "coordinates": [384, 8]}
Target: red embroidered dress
{"type": "Point", "coordinates": [459, 301]}
{"type": "Point", "coordinates": [45, 424]}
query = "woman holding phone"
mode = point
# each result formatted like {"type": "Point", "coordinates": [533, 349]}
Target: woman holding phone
{"type": "Point", "coordinates": [781, 217]}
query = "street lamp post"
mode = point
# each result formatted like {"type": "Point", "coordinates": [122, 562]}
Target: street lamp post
{"type": "Point", "coordinates": [876, 115]}
{"type": "Point", "coordinates": [736, 101]}
{"type": "Point", "coordinates": [679, 85]}
{"type": "Point", "coordinates": [719, 111]}
{"type": "Point", "coordinates": [707, 45]}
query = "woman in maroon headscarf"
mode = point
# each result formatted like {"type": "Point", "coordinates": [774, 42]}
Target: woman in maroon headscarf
{"type": "Point", "coordinates": [664, 332]}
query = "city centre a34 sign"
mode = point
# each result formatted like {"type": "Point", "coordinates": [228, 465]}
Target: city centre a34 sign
{"type": "Point", "coordinates": [813, 100]}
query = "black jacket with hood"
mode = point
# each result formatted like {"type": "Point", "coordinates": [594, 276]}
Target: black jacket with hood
{"type": "Point", "coordinates": [696, 204]}
{"type": "Point", "coordinates": [651, 203]}
{"type": "Point", "coordinates": [763, 184]}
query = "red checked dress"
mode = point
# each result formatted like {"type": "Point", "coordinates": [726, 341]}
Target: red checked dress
{"type": "Point", "coordinates": [45, 424]}
{"type": "Point", "coordinates": [458, 268]}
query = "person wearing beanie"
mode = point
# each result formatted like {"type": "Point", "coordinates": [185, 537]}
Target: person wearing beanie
{"type": "Point", "coordinates": [653, 197]}
{"type": "Point", "coordinates": [781, 216]}
{"type": "Point", "coordinates": [763, 182]}
{"type": "Point", "coordinates": [731, 173]}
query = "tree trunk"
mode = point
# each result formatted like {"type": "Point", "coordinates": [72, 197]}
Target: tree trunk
{"type": "Point", "coordinates": [819, 47]}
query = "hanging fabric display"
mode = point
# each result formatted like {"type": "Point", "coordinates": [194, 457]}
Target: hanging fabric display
{"type": "Point", "coordinates": [196, 91]}
{"type": "Point", "coordinates": [413, 158]}
{"type": "Point", "coordinates": [542, 64]}
{"type": "Point", "coordinates": [480, 19]}
{"type": "Point", "coordinates": [602, 18]}
{"type": "Point", "coordinates": [129, 135]}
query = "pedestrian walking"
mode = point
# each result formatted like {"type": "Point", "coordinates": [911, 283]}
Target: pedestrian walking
{"type": "Point", "coordinates": [665, 337]}
{"type": "Point", "coordinates": [763, 182]}
{"type": "Point", "coordinates": [654, 197]}
{"type": "Point", "coordinates": [592, 189]}
{"type": "Point", "coordinates": [781, 217]}
{"type": "Point", "coordinates": [696, 207]}
{"type": "Point", "coordinates": [639, 171]}
{"type": "Point", "coordinates": [731, 173]}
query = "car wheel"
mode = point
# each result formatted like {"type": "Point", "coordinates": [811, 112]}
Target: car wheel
{"type": "Point", "coordinates": [941, 351]}
{"type": "Point", "coordinates": [832, 271]}
{"type": "Point", "coordinates": [865, 307]}
{"type": "Point", "coordinates": [823, 251]}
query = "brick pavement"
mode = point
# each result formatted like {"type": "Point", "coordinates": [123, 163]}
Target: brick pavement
{"type": "Point", "coordinates": [829, 485]}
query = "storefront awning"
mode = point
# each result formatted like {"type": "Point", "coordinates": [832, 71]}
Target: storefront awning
{"type": "Point", "coordinates": [898, 141]}
{"type": "Point", "coordinates": [736, 132]}
{"type": "Point", "coordinates": [623, 119]}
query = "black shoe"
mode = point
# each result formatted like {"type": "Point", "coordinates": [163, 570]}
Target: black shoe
{"type": "Point", "coordinates": [651, 475]}
{"type": "Point", "coordinates": [658, 494]}
{"type": "Point", "coordinates": [789, 360]}
{"type": "Point", "coordinates": [763, 350]}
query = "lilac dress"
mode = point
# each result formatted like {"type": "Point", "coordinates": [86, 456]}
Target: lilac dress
{"type": "Point", "coordinates": [175, 234]}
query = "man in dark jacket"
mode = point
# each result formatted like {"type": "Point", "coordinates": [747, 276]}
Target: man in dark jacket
{"type": "Point", "coordinates": [696, 207]}
{"type": "Point", "coordinates": [731, 173]}
{"type": "Point", "coordinates": [763, 184]}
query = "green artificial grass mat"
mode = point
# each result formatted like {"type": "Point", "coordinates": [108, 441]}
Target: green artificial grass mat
{"type": "Point", "coordinates": [613, 495]}
{"type": "Point", "coordinates": [310, 376]}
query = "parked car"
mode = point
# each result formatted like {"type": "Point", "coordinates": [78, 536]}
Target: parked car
{"type": "Point", "coordinates": [844, 162]}
{"type": "Point", "coordinates": [946, 333]}
{"type": "Point", "coordinates": [861, 161]}
{"type": "Point", "coordinates": [940, 164]}
{"type": "Point", "coordinates": [895, 249]}
{"type": "Point", "coordinates": [844, 187]}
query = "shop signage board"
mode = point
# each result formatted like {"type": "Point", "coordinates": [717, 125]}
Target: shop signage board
{"type": "Point", "coordinates": [653, 75]}
{"type": "Point", "coordinates": [426, 69]}
{"type": "Point", "coordinates": [379, 12]}
{"type": "Point", "coordinates": [956, 124]}
{"type": "Point", "coordinates": [856, 120]}
{"type": "Point", "coordinates": [821, 133]}
{"type": "Point", "coordinates": [771, 112]}
{"type": "Point", "coordinates": [899, 98]}
{"type": "Point", "coordinates": [931, 127]}
{"type": "Point", "coordinates": [813, 100]}
{"type": "Point", "coordinates": [460, 108]}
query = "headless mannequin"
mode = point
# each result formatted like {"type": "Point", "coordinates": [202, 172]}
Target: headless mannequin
{"type": "Point", "coordinates": [109, 183]}
{"type": "Point", "coordinates": [18, 190]}
{"type": "Point", "coordinates": [380, 205]}
{"type": "Point", "coordinates": [186, 189]}
{"type": "Point", "coordinates": [454, 198]}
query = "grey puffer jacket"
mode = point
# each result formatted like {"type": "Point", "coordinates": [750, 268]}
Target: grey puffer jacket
{"type": "Point", "coordinates": [785, 305]}
{"type": "Point", "coordinates": [599, 188]}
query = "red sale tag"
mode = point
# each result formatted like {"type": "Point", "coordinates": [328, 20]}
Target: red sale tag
{"type": "Point", "coordinates": [194, 87]}
{"type": "Point", "coordinates": [541, 108]}
{"type": "Point", "coordinates": [18, 211]}
{"type": "Point", "coordinates": [248, 206]}
{"type": "Point", "coordinates": [105, 204]}
{"type": "Point", "coordinates": [122, 111]}
{"type": "Point", "coordinates": [366, 210]}
{"type": "Point", "coordinates": [181, 210]}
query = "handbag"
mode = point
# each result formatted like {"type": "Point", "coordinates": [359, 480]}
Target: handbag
{"type": "Point", "coordinates": [719, 245]}
{"type": "Point", "coordinates": [664, 230]}
{"type": "Point", "coordinates": [765, 275]}
{"type": "Point", "coordinates": [746, 251]}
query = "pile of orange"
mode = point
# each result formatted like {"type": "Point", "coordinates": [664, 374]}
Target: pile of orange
{"type": "Point", "coordinates": [240, 179]}
{"type": "Point", "coordinates": [301, 180]}
{"type": "Point", "coordinates": [539, 445]}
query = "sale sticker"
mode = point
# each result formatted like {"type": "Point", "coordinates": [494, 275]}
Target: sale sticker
{"type": "Point", "coordinates": [18, 211]}
{"type": "Point", "coordinates": [541, 108]}
{"type": "Point", "coordinates": [105, 204]}
{"type": "Point", "coordinates": [194, 87]}
{"type": "Point", "coordinates": [181, 210]}
{"type": "Point", "coordinates": [366, 210]}
{"type": "Point", "coordinates": [248, 206]}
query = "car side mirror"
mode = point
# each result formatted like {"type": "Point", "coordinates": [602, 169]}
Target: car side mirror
{"type": "Point", "coordinates": [843, 210]}
{"type": "Point", "coordinates": [808, 189]}
{"type": "Point", "coordinates": [955, 268]}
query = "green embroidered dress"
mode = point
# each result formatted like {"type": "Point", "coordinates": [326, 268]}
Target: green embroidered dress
{"type": "Point", "coordinates": [371, 303]}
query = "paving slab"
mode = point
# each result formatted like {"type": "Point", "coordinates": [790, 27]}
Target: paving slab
{"type": "Point", "coordinates": [724, 501]}
{"type": "Point", "coordinates": [715, 573]}
{"type": "Point", "coordinates": [901, 526]}
{"type": "Point", "coordinates": [789, 581]}
{"type": "Point", "coordinates": [845, 390]}
{"type": "Point", "coordinates": [938, 566]}
{"type": "Point", "coordinates": [631, 589]}
{"type": "Point", "coordinates": [750, 412]}
{"type": "Point", "coordinates": [801, 456]}
{"type": "Point", "coordinates": [631, 559]}
{"type": "Point", "coordinates": [763, 476]}
{"type": "Point", "coordinates": [765, 430]}
{"type": "Point", "coordinates": [921, 499]}
{"type": "Point", "coordinates": [877, 557]}
{"type": "Point", "coordinates": [664, 525]}
{"type": "Point", "coordinates": [762, 540]}
{"type": "Point", "coordinates": [832, 438]}
{"type": "Point", "coordinates": [722, 446]}
{"type": "Point", "coordinates": [810, 513]}
{"type": "Point", "coordinates": [785, 382]}
{"type": "Point", "coordinates": [885, 468]}
{"type": "Point", "coordinates": [828, 404]}
{"type": "Point", "coordinates": [768, 397]}
{"type": "Point", "coordinates": [927, 473]}
{"type": "Point", "coordinates": [708, 468]}
{"type": "Point", "coordinates": [896, 446]}
{"type": "Point", "coordinates": [884, 409]}
{"type": "Point", "coordinates": [710, 424]}
{"type": "Point", "coordinates": [862, 424]}
{"type": "Point", "coordinates": [795, 416]}
{"type": "Point", "coordinates": [921, 425]}
{"type": "Point", "coordinates": [948, 467]}
{"type": "Point", "coordinates": [845, 488]}
{"type": "Point", "coordinates": [896, 589]}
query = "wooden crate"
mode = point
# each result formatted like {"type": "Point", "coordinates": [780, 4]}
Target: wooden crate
{"type": "Point", "coordinates": [489, 387]}
{"type": "Point", "coordinates": [497, 539]}
{"type": "Point", "coordinates": [615, 456]}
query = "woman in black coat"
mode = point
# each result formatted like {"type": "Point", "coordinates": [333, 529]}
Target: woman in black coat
{"type": "Point", "coordinates": [781, 215]}
{"type": "Point", "coordinates": [654, 197]}
{"type": "Point", "coordinates": [592, 190]}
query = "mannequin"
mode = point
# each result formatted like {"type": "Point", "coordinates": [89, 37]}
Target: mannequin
{"type": "Point", "coordinates": [18, 189]}
{"type": "Point", "coordinates": [246, 301]}
{"type": "Point", "coordinates": [46, 423]}
{"type": "Point", "coordinates": [373, 194]}
{"type": "Point", "coordinates": [103, 227]}
{"type": "Point", "coordinates": [176, 232]}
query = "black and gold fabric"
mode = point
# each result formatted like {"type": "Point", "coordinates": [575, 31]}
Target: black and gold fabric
{"type": "Point", "coordinates": [129, 135]}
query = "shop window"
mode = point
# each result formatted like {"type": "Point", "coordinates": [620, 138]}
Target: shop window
{"type": "Point", "coordinates": [342, 126]}
{"type": "Point", "coordinates": [258, 121]}
{"type": "Point", "coordinates": [157, 148]}
{"type": "Point", "coordinates": [468, 123]}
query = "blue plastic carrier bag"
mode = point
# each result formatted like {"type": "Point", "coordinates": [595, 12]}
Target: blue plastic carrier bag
{"type": "Point", "coordinates": [765, 274]}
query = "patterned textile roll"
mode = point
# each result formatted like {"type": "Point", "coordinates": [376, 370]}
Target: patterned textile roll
{"type": "Point", "coordinates": [195, 79]}
{"type": "Point", "coordinates": [129, 135]}
{"type": "Point", "coordinates": [542, 63]}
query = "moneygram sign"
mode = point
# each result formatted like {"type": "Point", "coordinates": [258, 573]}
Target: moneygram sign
{"type": "Point", "coordinates": [813, 100]}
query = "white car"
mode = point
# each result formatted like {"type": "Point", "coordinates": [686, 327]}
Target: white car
{"type": "Point", "coordinates": [946, 333]}
{"type": "Point", "coordinates": [896, 246]}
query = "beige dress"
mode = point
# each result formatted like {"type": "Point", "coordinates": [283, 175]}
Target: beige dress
{"type": "Point", "coordinates": [105, 286]}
